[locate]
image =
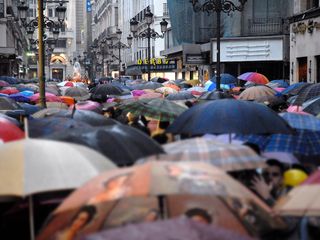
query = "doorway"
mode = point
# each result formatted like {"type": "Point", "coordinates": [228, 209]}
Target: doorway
{"type": "Point", "coordinates": [57, 73]}
{"type": "Point", "coordinates": [303, 69]}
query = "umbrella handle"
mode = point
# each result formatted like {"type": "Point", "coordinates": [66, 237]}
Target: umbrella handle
{"type": "Point", "coordinates": [31, 218]}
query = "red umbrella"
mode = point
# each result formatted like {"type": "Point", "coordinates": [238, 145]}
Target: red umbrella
{"type": "Point", "coordinates": [254, 77]}
{"type": "Point", "coordinates": [49, 98]}
{"type": "Point", "coordinates": [9, 90]}
{"type": "Point", "coordinates": [9, 131]}
{"type": "Point", "coordinates": [69, 84]}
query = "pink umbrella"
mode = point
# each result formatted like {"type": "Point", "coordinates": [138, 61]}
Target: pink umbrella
{"type": "Point", "coordinates": [69, 84]}
{"type": "Point", "coordinates": [4, 84]}
{"type": "Point", "coordinates": [87, 105]}
{"type": "Point", "coordinates": [138, 93]}
{"type": "Point", "coordinates": [296, 109]}
{"type": "Point", "coordinates": [49, 98]}
{"type": "Point", "coordinates": [254, 77]}
{"type": "Point", "coordinates": [151, 95]}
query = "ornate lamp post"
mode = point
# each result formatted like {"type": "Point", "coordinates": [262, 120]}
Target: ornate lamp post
{"type": "Point", "coordinates": [148, 33]}
{"type": "Point", "coordinates": [41, 22]}
{"type": "Point", "coordinates": [118, 45]}
{"type": "Point", "coordinates": [217, 6]}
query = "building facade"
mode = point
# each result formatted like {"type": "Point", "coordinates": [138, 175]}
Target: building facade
{"type": "Point", "coordinates": [304, 42]}
{"type": "Point", "coordinates": [255, 39]}
{"type": "Point", "coordinates": [13, 42]}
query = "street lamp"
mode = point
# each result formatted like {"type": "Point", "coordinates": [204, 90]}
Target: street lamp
{"type": "Point", "coordinates": [217, 6]}
{"type": "Point", "coordinates": [118, 45]}
{"type": "Point", "coordinates": [148, 33]}
{"type": "Point", "coordinates": [41, 22]}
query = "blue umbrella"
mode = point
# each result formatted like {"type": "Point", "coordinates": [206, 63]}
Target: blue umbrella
{"type": "Point", "coordinates": [226, 78]}
{"type": "Point", "coordinates": [312, 106]}
{"type": "Point", "coordinates": [29, 108]}
{"type": "Point", "coordinates": [229, 116]}
{"type": "Point", "coordinates": [281, 83]}
{"type": "Point", "coordinates": [301, 121]}
{"type": "Point", "coordinates": [303, 142]}
{"type": "Point", "coordinates": [294, 89]}
{"type": "Point", "coordinates": [211, 86]}
{"type": "Point", "coordinates": [10, 80]}
{"type": "Point", "coordinates": [18, 97]}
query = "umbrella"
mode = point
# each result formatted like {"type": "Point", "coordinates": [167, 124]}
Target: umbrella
{"type": "Point", "coordinates": [18, 97]}
{"type": "Point", "coordinates": [147, 85]}
{"type": "Point", "coordinates": [9, 90]}
{"type": "Point", "coordinates": [9, 131]}
{"type": "Point", "coordinates": [151, 95]}
{"type": "Point", "coordinates": [170, 85]}
{"type": "Point", "coordinates": [127, 195]}
{"type": "Point", "coordinates": [138, 93]}
{"type": "Point", "coordinates": [296, 109]}
{"type": "Point", "coordinates": [193, 82]}
{"type": "Point", "coordinates": [30, 109]}
{"type": "Point", "coordinates": [50, 97]}
{"type": "Point", "coordinates": [281, 83]}
{"type": "Point", "coordinates": [295, 88]}
{"type": "Point", "coordinates": [229, 157]}
{"type": "Point", "coordinates": [215, 95]}
{"type": "Point", "coordinates": [210, 86]}
{"type": "Point", "coordinates": [66, 84]}
{"type": "Point", "coordinates": [8, 104]}
{"type": "Point", "coordinates": [59, 105]}
{"type": "Point", "coordinates": [254, 77]}
{"type": "Point", "coordinates": [177, 229]}
{"type": "Point", "coordinates": [10, 80]}
{"type": "Point", "coordinates": [33, 166]}
{"type": "Point", "coordinates": [255, 92]}
{"type": "Point", "coordinates": [183, 95]}
{"type": "Point", "coordinates": [43, 127]}
{"type": "Point", "coordinates": [312, 106]}
{"type": "Point", "coordinates": [122, 144]}
{"type": "Point", "coordinates": [4, 83]}
{"type": "Point", "coordinates": [225, 78]}
{"type": "Point", "coordinates": [101, 92]}
{"type": "Point", "coordinates": [283, 157]}
{"type": "Point", "coordinates": [88, 105]}
{"type": "Point", "coordinates": [307, 93]}
{"type": "Point", "coordinates": [10, 119]}
{"type": "Point", "coordinates": [160, 109]}
{"type": "Point", "coordinates": [303, 142]}
{"type": "Point", "coordinates": [300, 121]}
{"type": "Point", "coordinates": [77, 93]}
{"type": "Point", "coordinates": [53, 90]}
{"type": "Point", "coordinates": [197, 89]}
{"type": "Point", "coordinates": [271, 100]}
{"type": "Point", "coordinates": [89, 117]}
{"type": "Point", "coordinates": [159, 80]}
{"type": "Point", "coordinates": [166, 90]}
{"type": "Point", "coordinates": [229, 116]}
{"type": "Point", "coordinates": [303, 200]}
{"type": "Point", "coordinates": [67, 100]}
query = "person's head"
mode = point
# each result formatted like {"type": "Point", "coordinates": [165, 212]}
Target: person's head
{"type": "Point", "coordinates": [199, 215]}
{"type": "Point", "coordinates": [274, 172]}
{"type": "Point", "coordinates": [83, 217]}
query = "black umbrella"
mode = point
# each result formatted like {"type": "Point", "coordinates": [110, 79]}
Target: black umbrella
{"type": "Point", "coordinates": [89, 117]}
{"type": "Point", "coordinates": [229, 116]}
{"type": "Point", "coordinates": [307, 93]}
{"type": "Point", "coordinates": [46, 126]}
{"type": "Point", "coordinates": [148, 85]}
{"type": "Point", "coordinates": [122, 144]}
{"type": "Point", "coordinates": [79, 94]}
{"type": "Point", "coordinates": [8, 104]}
{"type": "Point", "coordinates": [312, 106]}
{"type": "Point", "coordinates": [159, 80]}
{"type": "Point", "coordinates": [183, 95]}
{"type": "Point", "coordinates": [102, 91]}
{"type": "Point", "coordinates": [215, 95]}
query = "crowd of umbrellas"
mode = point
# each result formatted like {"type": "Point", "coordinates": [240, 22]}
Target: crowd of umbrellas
{"type": "Point", "coordinates": [146, 160]}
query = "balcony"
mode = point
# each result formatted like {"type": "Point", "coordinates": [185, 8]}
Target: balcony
{"type": "Point", "coordinates": [267, 26]}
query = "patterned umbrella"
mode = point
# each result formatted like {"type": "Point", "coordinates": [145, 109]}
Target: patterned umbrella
{"type": "Point", "coordinates": [161, 109]}
{"type": "Point", "coordinates": [229, 157]}
{"type": "Point", "coordinates": [229, 116]}
{"type": "Point", "coordinates": [88, 105]}
{"type": "Point", "coordinates": [295, 88]}
{"type": "Point", "coordinates": [254, 77]}
{"type": "Point", "coordinates": [303, 142]}
{"type": "Point", "coordinates": [312, 106]}
{"type": "Point", "coordinates": [307, 93]}
{"type": "Point", "coordinates": [255, 92]}
{"type": "Point", "coordinates": [303, 200]}
{"type": "Point", "coordinates": [303, 122]}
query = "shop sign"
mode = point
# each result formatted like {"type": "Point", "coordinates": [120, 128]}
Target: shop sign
{"type": "Point", "coordinates": [154, 61]}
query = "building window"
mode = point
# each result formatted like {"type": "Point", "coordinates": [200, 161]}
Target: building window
{"type": "Point", "coordinates": [116, 15]}
{"type": "Point", "coordinates": [165, 9]}
{"type": "Point", "coordinates": [50, 12]}
{"type": "Point", "coordinates": [318, 69]}
{"type": "Point", "coordinates": [266, 10]}
{"type": "Point", "coordinates": [30, 13]}
{"type": "Point", "coordinates": [312, 4]}
{"type": "Point", "coordinates": [303, 69]}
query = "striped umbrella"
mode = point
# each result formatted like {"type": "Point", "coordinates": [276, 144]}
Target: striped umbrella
{"type": "Point", "coordinates": [254, 77]}
{"type": "Point", "coordinates": [229, 157]}
{"type": "Point", "coordinates": [300, 121]}
{"type": "Point", "coordinates": [303, 200]}
{"type": "Point", "coordinates": [157, 108]}
{"type": "Point", "coordinates": [256, 92]}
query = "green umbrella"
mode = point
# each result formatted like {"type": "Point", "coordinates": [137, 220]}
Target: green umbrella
{"type": "Point", "coordinates": [160, 109]}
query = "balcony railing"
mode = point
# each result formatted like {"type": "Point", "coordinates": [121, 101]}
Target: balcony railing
{"type": "Point", "coordinates": [267, 26]}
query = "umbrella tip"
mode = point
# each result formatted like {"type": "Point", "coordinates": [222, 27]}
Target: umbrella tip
{"type": "Point", "coordinates": [73, 110]}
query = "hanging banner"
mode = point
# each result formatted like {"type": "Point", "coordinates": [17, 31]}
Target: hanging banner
{"type": "Point", "coordinates": [89, 7]}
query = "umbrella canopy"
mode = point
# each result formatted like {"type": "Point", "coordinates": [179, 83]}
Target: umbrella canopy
{"type": "Point", "coordinates": [307, 93]}
{"type": "Point", "coordinates": [171, 85]}
{"type": "Point", "coordinates": [300, 121]}
{"type": "Point", "coordinates": [303, 142]}
{"type": "Point", "coordinates": [33, 166]}
{"type": "Point", "coordinates": [18, 97]}
{"type": "Point", "coordinates": [151, 95]}
{"type": "Point", "coordinates": [183, 95]}
{"type": "Point", "coordinates": [271, 100]}
{"type": "Point", "coordinates": [9, 131]}
{"type": "Point", "coordinates": [46, 126]}
{"type": "Point", "coordinates": [10, 80]}
{"type": "Point", "coordinates": [281, 83]}
{"type": "Point", "coordinates": [296, 109]}
{"type": "Point", "coordinates": [53, 89]}
{"type": "Point", "coordinates": [211, 86]}
{"type": "Point", "coordinates": [177, 229]}
{"type": "Point", "coordinates": [8, 104]}
{"type": "Point", "coordinates": [102, 91]}
{"type": "Point", "coordinates": [79, 94]}
{"type": "Point", "coordinates": [4, 83]}
{"type": "Point", "coordinates": [208, 96]}
{"type": "Point", "coordinates": [147, 85]}
{"type": "Point", "coordinates": [137, 93]}
{"type": "Point", "coordinates": [229, 116]}
{"type": "Point", "coordinates": [166, 90]}
{"type": "Point", "coordinates": [160, 109]}
{"type": "Point", "coordinates": [295, 88]}
{"type": "Point", "coordinates": [9, 90]}
{"type": "Point", "coordinates": [226, 78]}
{"type": "Point", "coordinates": [254, 77]}
{"type": "Point", "coordinates": [193, 82]}
{"type": "Point", "coordinates": [59, 105]}
{"type": "Point", "coordinates": [88, 105]}
{"type": "Point", "coordinates": [122, 144]}
{"type": "Point", "coordinates": [159, 79]}
{"type": "Point", "coordinates": [303, 200]}
{"type": "Point", "coordinates": [229, 157]}
{"type": "Point", "coordinates": [50, 97]}
{"type": "Point", "coordinates": [312, 106]}
{"type": "Point", "coordinates": [181, 186]}
{"type": "Point", "coordinates": [255, 92]}
{"type": "Point", "coordinates": [196, 89]}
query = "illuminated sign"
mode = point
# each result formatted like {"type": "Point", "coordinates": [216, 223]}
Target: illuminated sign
{"type": "Point", "coordinates": [154, 61]}
{"type": "Point", "coordinates": [89, 7]}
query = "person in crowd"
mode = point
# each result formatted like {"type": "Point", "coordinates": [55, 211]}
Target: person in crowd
{"type": "Point", "coordinates": [199, 215]}
{"type": "Point", "coordinates": [136, 122]}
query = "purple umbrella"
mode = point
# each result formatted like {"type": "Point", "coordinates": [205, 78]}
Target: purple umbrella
{"type": "Point", "coordinates": [175, 229]}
